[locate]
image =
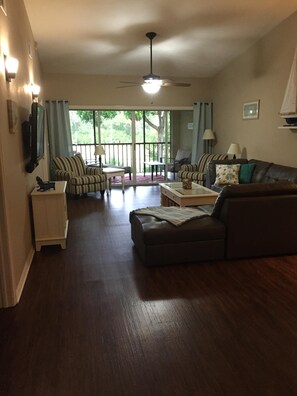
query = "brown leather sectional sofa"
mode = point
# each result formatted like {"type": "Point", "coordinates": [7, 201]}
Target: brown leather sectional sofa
{"type": "Point", "coordinates": [247, 220]}
{"type": "Point", "coordinates": [264, 172]}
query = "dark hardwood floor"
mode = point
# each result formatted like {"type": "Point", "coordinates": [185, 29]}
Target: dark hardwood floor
{"type": "Point", "coordinates": [93, 320]}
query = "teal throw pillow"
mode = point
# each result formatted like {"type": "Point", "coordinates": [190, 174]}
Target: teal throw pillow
{"type": "Point", "coordinates": [246, 173]}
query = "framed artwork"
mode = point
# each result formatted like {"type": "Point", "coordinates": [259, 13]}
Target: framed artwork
{"type": "Point", "coordinates": [250, 110]}
{"type": "Point", "coordinates": [3, 7]}
{"type": "Point", "coordinates": [12, 111]}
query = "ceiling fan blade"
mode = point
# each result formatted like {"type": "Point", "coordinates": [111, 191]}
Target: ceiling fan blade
{"type": "Point", "coordinates": [129, 86]}
{"type": "Point", "coordinates": [174, 84]}
{"type": "Point", "coordinates": [129, 82]}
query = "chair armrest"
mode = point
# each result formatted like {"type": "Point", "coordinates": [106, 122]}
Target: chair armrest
{"type": "Point", "coordinates": [64, 175]}
{"type": "Point", "coordinates": [92, 170]}
{"type": "Point", "coordinates": [199, 176]}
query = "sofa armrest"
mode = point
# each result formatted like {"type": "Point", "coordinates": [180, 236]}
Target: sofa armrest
{"type": "Point", "coordinates": [260, 226]}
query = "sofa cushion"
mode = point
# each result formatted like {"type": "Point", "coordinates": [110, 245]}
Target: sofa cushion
{"type": "Point", "coordinates": [160, 243]}
{"type": "Point", "coordinates": [260, 170]}
{"type": "Point", "coordinates": [227, 174]}
{"type": "Point", "coordinates": [246, 173]}
{"type": "Point", "coordinates": [158, 232]}
{"type": "Point", "coordinates": [278, 173]}
{"type": "Point", "coordinates": [252, 190]}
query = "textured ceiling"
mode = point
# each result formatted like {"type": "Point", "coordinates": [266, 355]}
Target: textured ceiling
{"type": "Point", "coordinates": [195, 38]}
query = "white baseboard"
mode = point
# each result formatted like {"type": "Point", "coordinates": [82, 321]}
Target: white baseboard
{"type": "Point", "coordinates": [24, 275]}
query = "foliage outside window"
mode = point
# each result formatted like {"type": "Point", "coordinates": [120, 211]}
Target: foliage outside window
{"type": "Point", "coordinates": [114, 128]}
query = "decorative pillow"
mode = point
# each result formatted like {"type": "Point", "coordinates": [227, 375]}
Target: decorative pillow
{"type": "Point", "coordinates": [227, 174]}
{"type": "Point", "coordinates": [246, 173]}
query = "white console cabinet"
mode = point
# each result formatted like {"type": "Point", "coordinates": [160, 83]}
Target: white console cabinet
{"type": "Point", "coordinates": [50, 216]}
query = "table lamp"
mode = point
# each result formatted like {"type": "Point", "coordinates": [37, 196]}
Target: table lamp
{"type": "Point", "coordinates": [234, 150]}
{"type": "Point", "coordinates": [99, 150]}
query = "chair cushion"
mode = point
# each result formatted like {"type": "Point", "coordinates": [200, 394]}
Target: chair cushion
{"type": "Point", "coordinates": [86, 180]}
{"type": "Point", "coordinates": [183, 155]}
{"type": "Point", "coordinates": [205, 158]}
{"type": "Point", "coordinates": [73, 164]}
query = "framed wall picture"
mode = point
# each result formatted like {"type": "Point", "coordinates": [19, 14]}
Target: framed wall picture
{"type": "Point", "coordinates": [3, 7]}
{"type": "Point", "coordinates": [250, 110]}
{"type": "Point", "coordinates": [12, 111]}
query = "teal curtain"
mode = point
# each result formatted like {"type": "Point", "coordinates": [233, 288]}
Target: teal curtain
{"type": "Point", "coordinates": [59, 131]}
{"type": "Point", "coordinates": [202, 119]}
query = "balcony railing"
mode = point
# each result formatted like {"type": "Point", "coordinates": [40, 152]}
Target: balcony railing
{"type": "Point", "coordinates": [120, 154]}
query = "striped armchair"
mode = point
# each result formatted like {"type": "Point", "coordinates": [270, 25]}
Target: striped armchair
{"type": "Point", "coordinates": [197, 172]}
{"type": "Point", "coordinates": [80, 179]}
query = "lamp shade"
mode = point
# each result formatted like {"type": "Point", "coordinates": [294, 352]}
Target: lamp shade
{"type": "Point", "coordinates": [99, 150]}
{"type": "Point", "coordinates": [234, 149]}
{"type": "Point", "coordinates": [208, 135]}
{"type": "Point", "coordinates": [11, 67]}
{"type": "Point", "coordinates": [35, 89]}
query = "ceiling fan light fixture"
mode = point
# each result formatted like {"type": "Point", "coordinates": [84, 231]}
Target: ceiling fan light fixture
{"type": "Point", "coordinates": [151, 87]}
{"type": "Point", "coordinates": [153, 81]}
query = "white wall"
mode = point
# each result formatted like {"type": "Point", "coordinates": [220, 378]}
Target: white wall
{"type": "Point", "coordinates": [92, 90]}
{"type": "Point", "coordinates": [260, 73]}
{"type": "Point", "coordinates": [15, 184]}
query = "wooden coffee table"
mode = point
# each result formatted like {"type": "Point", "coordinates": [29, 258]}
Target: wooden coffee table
{"type": "Point", "coordinates": [173, 194]}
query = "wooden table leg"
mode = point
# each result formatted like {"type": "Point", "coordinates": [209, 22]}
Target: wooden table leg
{"type": "Point", "coordinates": [123, 183]}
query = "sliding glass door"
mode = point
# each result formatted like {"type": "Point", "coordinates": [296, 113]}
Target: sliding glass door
{"type": "Point", "coordinates": [139, 140]}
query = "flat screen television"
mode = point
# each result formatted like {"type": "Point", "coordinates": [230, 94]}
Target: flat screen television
{"type": "Point", "coordinates": [34, 136]}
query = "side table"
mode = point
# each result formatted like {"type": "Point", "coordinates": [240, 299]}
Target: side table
{"type": "Point", "coordinates": [113, 172]}
{"type": "Point", "coordinates": [50, 216]}
{"type": "Point", "coordinates": [154, 166]}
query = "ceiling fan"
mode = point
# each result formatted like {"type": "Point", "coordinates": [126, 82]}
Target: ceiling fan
{"type": "Point", "coordinates": [151, 82]}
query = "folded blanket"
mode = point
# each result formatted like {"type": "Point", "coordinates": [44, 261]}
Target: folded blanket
{"type": "Point", "coordinates": [173, 214]}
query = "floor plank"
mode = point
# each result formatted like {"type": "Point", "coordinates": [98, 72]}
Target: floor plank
{"type": "Point", "coordinates": [94, 321]}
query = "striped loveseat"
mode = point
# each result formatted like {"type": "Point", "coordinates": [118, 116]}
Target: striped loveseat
{"type": "Point", "coordinates": [197, 172]}
{"type": "Point", "coordinates": [80, 179]}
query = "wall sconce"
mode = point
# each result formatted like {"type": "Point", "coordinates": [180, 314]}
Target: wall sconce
{"type": "Point", "coordinates": [35, 90]}
{"type": "Point", "coordinates": [11, 67]}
